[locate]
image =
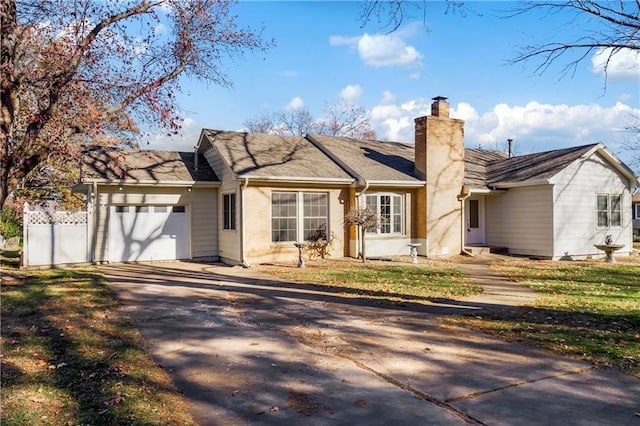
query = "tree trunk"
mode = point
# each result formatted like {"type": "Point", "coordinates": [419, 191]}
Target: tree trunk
{"type": "Point", "coordinates": [363, 232]}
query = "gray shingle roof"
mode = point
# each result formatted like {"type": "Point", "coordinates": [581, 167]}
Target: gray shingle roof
{"type": "Point", "coordinates": [143, 165]}
{"type": "Point", "coordinates": [373, 160]}
{"type": "Point", "coordinates": [533, 167]}
{"type": "Point", "coordinates": [269, 156]}
{"type": "Point", "coordinates": [476, 162]}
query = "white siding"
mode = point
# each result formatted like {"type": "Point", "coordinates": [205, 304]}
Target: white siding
{"type": "Point", "coordinates": [229, 242]}
{"type": "Point", "coordinates": [201, 203]}
{"type": "Point", "coordinates": [522, 220]}
{"type": "Point", "coordinates": [575, 192]}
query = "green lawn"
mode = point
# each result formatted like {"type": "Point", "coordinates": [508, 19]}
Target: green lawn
{"type": "Point", "coordinates": [69, 356]}
{"type": "Point", "coordinates": [586, 310]}
{"type": "Point", "coordinates": [380, 280]}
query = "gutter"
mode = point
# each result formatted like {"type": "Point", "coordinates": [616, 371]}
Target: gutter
{"type": "Point", "coordinates": [170, 183]}
{"type": "Point", "coordinates": [243, 239]}
{"type": "Point", "coordinates": [292, 179]}
{"type": "Point", "coordinates": [464, 194]}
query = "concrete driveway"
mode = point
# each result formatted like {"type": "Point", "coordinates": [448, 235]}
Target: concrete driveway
{"type": "Point", "coordinates": [246, 349]}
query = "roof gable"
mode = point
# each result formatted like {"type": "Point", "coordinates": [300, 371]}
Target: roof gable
{"type": "Point", "coordinates": [116, 164]}
{"type": "Point", "coordinates": [262, 156]}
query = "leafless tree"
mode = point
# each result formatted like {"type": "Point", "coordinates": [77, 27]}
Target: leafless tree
{"type": "Point", "coordinates": [390, 14]}
{"type": "Point", "coordinates": [365, 219]}
{"type": "Point", "coordinates": [342, 119]}
{"type": "Point", "coordinates": [610, 28]}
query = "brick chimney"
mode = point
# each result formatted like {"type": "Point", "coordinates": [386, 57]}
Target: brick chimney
{"type": "Point", "coordinates": [440, 107]}
{"type": "Point", "coordinates": [439, 160]}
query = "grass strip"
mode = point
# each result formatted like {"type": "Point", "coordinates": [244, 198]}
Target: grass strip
{"type": "Point", "coordinates": [379, 280]}
{"type": "Point", "coordinates": [586, 310]}
{"type": "Point", "coordinates": [70, 357]}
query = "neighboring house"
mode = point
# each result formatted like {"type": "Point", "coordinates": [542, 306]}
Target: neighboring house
{"type": "Point", "coordinates": [246, 198]}
{"type": "Point", "coordinates": [635, 213]}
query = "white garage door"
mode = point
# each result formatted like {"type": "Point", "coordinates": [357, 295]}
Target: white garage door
{"type": "Point", "coordinates": [145, 233]}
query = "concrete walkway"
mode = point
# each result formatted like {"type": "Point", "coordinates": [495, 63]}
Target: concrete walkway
{"type": "Point", "coordinates": [246, 349]}
{"type": "Point", "coordinates": [498, 290]}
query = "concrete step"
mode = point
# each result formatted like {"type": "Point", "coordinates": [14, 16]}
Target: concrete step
{"type": "Point", "coordinates": [480, 250]}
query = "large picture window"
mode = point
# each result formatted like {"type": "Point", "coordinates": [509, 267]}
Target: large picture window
{"type": "Point", "coordinates": [299, 216]}
{"type": "Point", "coordinates": [229, 211]}
{"type": "Point", "coordinates": [388, 207]}
{"type": "Point", "coordinates": [609, 210]}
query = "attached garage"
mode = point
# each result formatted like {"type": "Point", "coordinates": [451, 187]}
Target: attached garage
{"type": "Point", "coordinates": [147, 206]}
{"type": "Point", "coordinates": [140, 233]}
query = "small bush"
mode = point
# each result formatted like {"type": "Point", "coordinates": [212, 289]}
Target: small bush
{"type": "Point", "coordinates": [10, 224]}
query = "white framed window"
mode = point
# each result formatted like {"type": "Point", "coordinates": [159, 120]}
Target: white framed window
{"type": "Point", "coordinates": [229, 211]}
{"type": "Point", "coordinates": [388, 207]}
{"type": "Point", "coordinates": [636, 211]}
{"type": "Point", "coordinates": [609, 210]}
{"type": "Point", "coordinates": [299, 216]}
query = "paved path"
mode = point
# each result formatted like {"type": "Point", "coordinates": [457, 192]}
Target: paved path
{"type": "Point", "coordinates": [246, 349]}
{"type": "Point", "coordinates": [498, 289]}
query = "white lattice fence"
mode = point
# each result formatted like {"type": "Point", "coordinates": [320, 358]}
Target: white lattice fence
{"type": "Point", "coordinates": [55, 238]}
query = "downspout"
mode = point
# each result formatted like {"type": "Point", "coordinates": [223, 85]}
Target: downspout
{"type": "Point", "coordinates": [243, 239]}
{"type": "Point", "coordinates": [463, 197]}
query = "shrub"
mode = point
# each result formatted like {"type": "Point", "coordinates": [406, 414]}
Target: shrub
{"type": "Point", "coordinates": [10, 223]}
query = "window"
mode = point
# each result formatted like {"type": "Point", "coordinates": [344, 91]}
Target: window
{"type": "Point", "coordinates": [160, 209]}
{"type": "Point", "coordinates": [122, 209]}
{"type": "Point", "coordinates": [609, 210]}
{"type": "Point", "coordinates": [315, 216]}
{"type": "Point", "coordinates": [637, 211]}
{"type": "Point", "coordinates": [142, 209]}
{"type": "Point", "coordinates": [474, 214]}
{"type": "Point", "coordinates": [178, 209]}
{"type": "Point", "coordinates": [388, 207]}
{"type": "Point", "coordinates": [229, 211]}
{"type": "Point", "coordinates": [299, 214]}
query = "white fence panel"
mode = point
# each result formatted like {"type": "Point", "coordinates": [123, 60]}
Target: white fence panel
{"type": "Point", "coordinates": [56, 238]}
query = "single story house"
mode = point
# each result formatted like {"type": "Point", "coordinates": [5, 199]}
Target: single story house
{"type": "Point", "coordinates": [635, 213]}
{"type": "Point", "coordinates": [247, 198]}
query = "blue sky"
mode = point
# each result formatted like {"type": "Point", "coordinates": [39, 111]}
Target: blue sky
{"type": "Point", "coordinates": [322, 54]}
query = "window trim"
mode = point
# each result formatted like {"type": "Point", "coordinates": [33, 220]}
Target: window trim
{"type": "Point", "coordinates": [401, 214]}
{"type": "Point", "coordinates": [636, 211]}
{"type": "Point", "coordinates": [229, 211]}
{"type": "Point", "coordinates": [609, 211]}
{"type": "Point", "coordinates": [300, 215]}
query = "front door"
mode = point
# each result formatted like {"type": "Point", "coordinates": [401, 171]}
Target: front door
{"type": "Point", "coordinates": [474, 216]}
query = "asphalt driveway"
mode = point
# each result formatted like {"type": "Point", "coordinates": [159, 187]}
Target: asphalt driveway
{"type": "Point", "coordinates": [246, 349]}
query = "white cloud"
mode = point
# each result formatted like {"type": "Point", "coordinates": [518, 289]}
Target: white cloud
{"type": "Point", "coordinates": [623, 64]}
{"type": "Point", "coordinates": [294, 104]}
{"type": "Point", "coordinates": [351, 93]}
{"type": "Point", "coordinates": [185, 141]}
{"type": "Point", "coordinates": [383, 50]}
{"type": "Point", "coordinates": [337, 40]}
{"type": "Point", "coordinates": [387, 97]}
{"type": "Point", "coordinates": [534, 127]}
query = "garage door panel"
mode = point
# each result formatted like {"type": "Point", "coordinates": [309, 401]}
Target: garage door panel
{"type": "Point", "coordinates": [145, 233]}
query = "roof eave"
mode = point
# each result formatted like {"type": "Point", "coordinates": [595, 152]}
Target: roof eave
{"type": "Point", "coordinates": [500, 185]}
{"type": "Point", "coordinates": [297, 179]}
{"type": "Point", "coordinates": [401, 183]}
{"type": "Point", "coordinates": [616, 163]}
{"type": "Point", "coordinates": [166, 183]}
